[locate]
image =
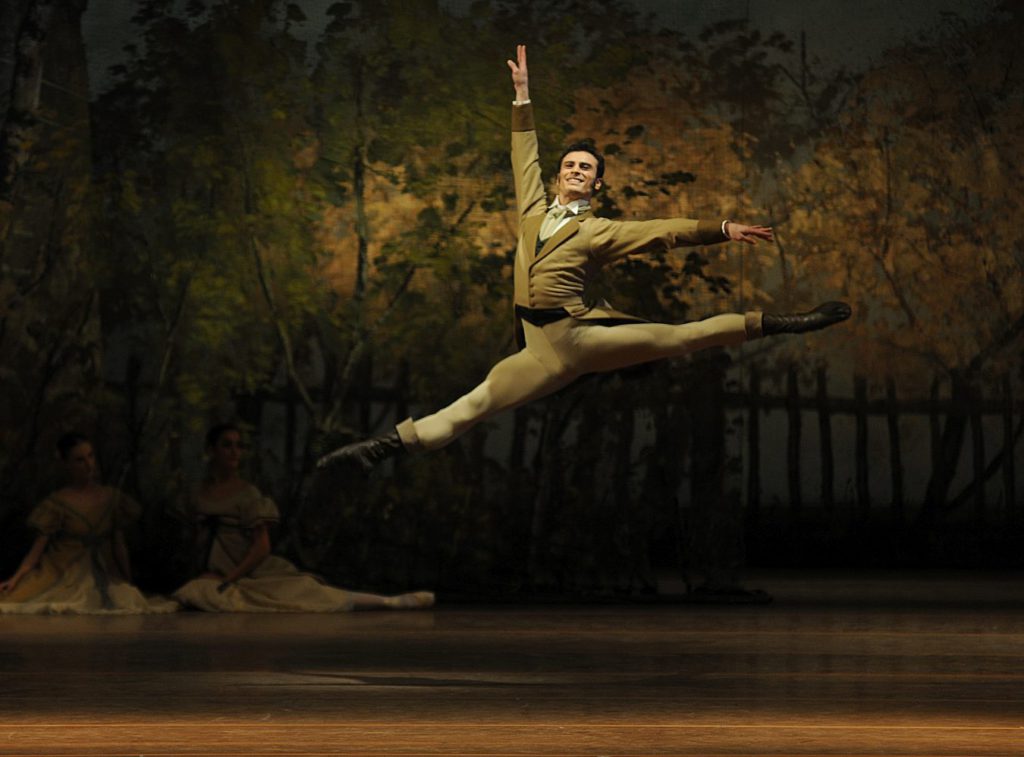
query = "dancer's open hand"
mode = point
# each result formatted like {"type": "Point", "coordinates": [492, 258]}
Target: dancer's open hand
{"type": "Point", "coordinates": [739, 232]}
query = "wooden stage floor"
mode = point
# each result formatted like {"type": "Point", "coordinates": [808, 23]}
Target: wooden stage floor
{"type": "Point", "coordinates": [913, 665]}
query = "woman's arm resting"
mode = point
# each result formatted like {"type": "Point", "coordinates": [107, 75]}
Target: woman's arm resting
{"type": "Point", "coordinates": [258, 551]}
{"type": "Point", "coordinates": [30, 561]}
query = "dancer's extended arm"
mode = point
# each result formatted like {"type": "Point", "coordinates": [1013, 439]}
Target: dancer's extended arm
{"type": "Point", "coordinates": [614, 240]}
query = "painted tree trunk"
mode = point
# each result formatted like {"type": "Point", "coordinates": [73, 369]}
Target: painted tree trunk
{"type": "Point", "coordinates": [950, 442]}
{"type": "Point", "coordinates": [21, 122]}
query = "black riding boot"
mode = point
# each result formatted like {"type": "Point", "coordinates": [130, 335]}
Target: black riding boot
{"type": "Point", "coordinates": [365, 454]}
{"type": "Point", "coordinates": [821, 317]}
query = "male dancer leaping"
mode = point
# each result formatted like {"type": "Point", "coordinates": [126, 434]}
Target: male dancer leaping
{"type": "Point", "coordinates": [561, 247]}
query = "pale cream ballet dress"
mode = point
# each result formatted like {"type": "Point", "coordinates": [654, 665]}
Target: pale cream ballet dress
{"type": "Point", "coordinates": [275, 585]}
{"type": "Point", "coordinates": [77, 573]}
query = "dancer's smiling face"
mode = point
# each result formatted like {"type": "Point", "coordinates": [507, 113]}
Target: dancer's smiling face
{"type": "Point", "coordinates": [577, 176]}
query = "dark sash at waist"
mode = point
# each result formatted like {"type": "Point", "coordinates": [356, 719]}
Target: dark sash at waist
{"type": "Point", "coordinates": [541, 316]}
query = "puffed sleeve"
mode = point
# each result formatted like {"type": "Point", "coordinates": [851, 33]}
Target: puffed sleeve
{"type": "Point", "coordinates": [47, 518]}
{"type": "Point", "coordinates": [126, 509]}
{"type": "Point", "coordinates": [256, 509]}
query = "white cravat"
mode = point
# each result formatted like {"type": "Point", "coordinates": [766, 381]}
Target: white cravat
{"type": "Point", "coordinates": [558, 215]}
{"type": "Point", "coordinates": [552, 221]}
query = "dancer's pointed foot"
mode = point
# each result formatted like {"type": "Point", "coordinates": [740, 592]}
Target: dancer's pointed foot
{"type": "Point", "coordinates": [821, 317]}
{"type": "Point", "coordinates": [414, 600]}
{"type": "Point", "coordinates": [365, 454]}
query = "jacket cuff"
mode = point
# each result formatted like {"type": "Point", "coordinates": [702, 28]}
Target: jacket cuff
{"type": "Point", "coordinates": [522, 118]}
{"type": "Point", "coordinates": [753, 325]}
{"type": "Point", "coordinates": [710, 232]}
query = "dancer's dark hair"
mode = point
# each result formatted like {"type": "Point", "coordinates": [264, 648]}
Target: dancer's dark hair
{"type": "Point", "coordinates": [586, 145]}
{"type": "Point", "coordinates": [217, 431]}
{"type": "Point", "coordinates": [69, 441]}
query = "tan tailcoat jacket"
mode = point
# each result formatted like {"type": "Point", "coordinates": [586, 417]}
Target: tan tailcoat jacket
{"type": "Point", "coordinates": [557, 275]}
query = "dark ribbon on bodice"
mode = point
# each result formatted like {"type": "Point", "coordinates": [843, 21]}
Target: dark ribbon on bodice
{"type": "Point", "coordinates": [100, 574]}
{"type": "Point", "coordinates": [204, 544]}
{"type": "Point", "coordinates": [212, 528]}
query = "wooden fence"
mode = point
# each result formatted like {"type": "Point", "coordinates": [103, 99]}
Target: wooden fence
{"type": "Point", "coordinates": [796, 402]}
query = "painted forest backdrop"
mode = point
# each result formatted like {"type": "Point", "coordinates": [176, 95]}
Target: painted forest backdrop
{"type": "Point", "coordinates": [313, 234]}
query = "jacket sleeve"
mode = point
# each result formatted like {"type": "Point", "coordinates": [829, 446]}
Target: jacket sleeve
{"type": "Point", "coordinates": [530, 198]}
{"type": "Point", "coordinates": [613, 240]}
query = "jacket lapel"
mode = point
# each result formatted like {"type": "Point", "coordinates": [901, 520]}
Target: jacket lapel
{"type": "Point", "coordinates": [568, 230]}
{"type": "Point", "coordinates": [531, 230]}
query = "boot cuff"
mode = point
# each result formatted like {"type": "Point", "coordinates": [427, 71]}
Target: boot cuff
{"type": "Point", "coordinates": [752, 325]}
{"type": "Point", "coordinates": [407, 433]}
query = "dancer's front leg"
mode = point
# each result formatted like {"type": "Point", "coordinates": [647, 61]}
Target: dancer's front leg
{"type": "Point", "coordinates": [514, 381]}
{"type": "Point", "coordinates": [609, 348]}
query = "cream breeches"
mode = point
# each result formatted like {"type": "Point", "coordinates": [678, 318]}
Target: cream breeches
{"type": "Point", "coordinates": [557, 354]}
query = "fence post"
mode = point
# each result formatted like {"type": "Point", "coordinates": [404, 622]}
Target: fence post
{"type": "Point", "coordinates": [825, 432]}
{"type": "Point", "coordinates": [895, 453]}
{"type": "Point", "coordinates": [860, 400]}
{"type": "Point", "coordinates": [289, 437]}
{"type": "Point", "coordinates": [754, 446]}
{"type": "Point", "coordinates": [793, 439]}
{"type": "Point", "coordinates": [978, 453]}
{"type": "Point", "coordinates": [1012, 512]}
{"type": "Point", "coordinates": [935, 427]}
{"type": "Point", "coordinates": [402, 391]}
{"type": "Point", "coordinates": [365, 381]}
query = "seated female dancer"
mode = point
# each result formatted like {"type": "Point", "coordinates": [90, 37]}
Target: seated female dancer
{"type": "Point", "coordinates": [79, 562]}
{"type": "Point", "coordinates": [240, 573]}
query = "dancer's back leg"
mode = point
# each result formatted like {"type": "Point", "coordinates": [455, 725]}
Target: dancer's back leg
{"type": "Point", "coordinates": [530, 374]}
{"type": "Point", "coordinates": [514, 381]}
